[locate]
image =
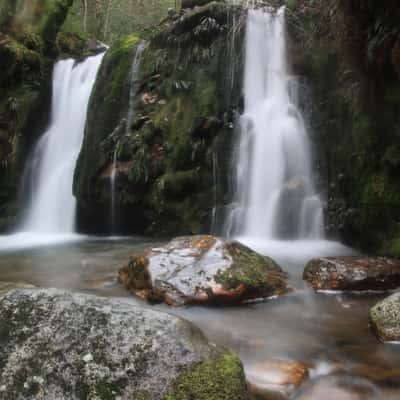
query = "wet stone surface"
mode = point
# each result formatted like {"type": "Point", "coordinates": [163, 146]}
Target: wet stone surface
{"type": "Point", "coordinates": [353, 273]}
{"type": "Point", "coordinates": [275, 379]}
{"type": "Point", "coordinates": [385, 318]}
{"type": "Point", "coordinates": [203, 269]}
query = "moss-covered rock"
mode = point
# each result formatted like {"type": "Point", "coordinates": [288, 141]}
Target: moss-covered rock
{"type": "Point", "coordinates": [211, 380]}
{"type": "Point", "coordinates": [56, 344]}
{"type": "Point", "coordinates": [385, 318]}
{"type": "Point", "coordinates": [203, 269]}
{"type": "Point", "coordinates": [187, 89]}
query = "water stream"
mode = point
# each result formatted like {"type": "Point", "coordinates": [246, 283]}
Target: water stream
{"type": "Point", "coordinates": [328, 332]}
{"type": "Point", "coordinates": [275, 199]}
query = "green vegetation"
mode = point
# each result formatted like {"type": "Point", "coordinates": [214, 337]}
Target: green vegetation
{"type": "Point", "coordinates": [182, 110]}
{"type": "Point", "coordinates": [220, 379]}
{"type": "Point", "coordinates": [249, 268]}
{"type": "Point", "coordinates": [107, 20]}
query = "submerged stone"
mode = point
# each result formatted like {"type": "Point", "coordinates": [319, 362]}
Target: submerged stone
{"type": "Point", "coordinates": [385, 318]}
{"type": "Point", "coordinates": [275, 379]}
{"type": "Point", "coordinates": [202, 269]}
{"type": "Point", "coordinates": [353, 273]}
{"type": "Point", "coordinates": [60, 345]}
{"type": "Point", "coordinates": [339, 387]}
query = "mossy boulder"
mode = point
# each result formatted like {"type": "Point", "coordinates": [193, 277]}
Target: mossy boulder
{"type": "Point", "coordinates": [56, 344]}
{"type": "Point", "coordinates": [186, 92]}
{"type": "Point", "coordinates": [353, 273]}
{"type": "Point", "coordinates": [203, 269]}
{"type": "Point", "coordinates": [385, 318]}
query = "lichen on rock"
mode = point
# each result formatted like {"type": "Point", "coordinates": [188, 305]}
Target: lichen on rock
{"type": "Point", "coordinates": [385, 318]}
{"type": "Point", "coordinates": [56, 344]}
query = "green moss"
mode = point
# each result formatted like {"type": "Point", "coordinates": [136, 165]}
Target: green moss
{"type": "Point", "coordinates": [379, 189]}
{"type": "Point", "coordinates": [177, 183]}
{"type": "Point", "coordinates": [249, 268]}
{"type": "Point", "coordinates": [220, 379]}
{"type": "Point", "coordinates": [141, 396]}
{"type": "Point", "coordinates": [52, 19]}
{"type": "Point", "coordinates": [106, 390]}
{"type": "Point", "coordinates": [394, 247]}
{"type": "Point", "coordinates": [120, 56]}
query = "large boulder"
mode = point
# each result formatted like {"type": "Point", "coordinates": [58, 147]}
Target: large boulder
{"type": "Point", "coordinates": [385, 318]}
{"type": "Point", "coordinates": [59, 345]}
{"type": "Point", "coordinates": [353, 273]}
{"type": "Point", "coordinates": [202, 269]}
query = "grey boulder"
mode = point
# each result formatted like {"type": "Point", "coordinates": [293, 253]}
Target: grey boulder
{"type": "Point", "coordinates": [59, 345]}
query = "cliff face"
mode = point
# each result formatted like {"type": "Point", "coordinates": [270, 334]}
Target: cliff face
{"type": "Point", "coordinates": [28, 31]}
{"type": "Point", "coordinates": [188, 87]}
{"type": "Point", "coordinates": [349, 52]}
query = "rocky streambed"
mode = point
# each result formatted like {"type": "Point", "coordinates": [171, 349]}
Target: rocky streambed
{"type": "Point", "coordinates": [297, 345]}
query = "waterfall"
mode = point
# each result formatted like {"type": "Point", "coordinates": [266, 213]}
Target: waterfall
{"type": "Point", "coordinates": [275, 193]}
{"type": "Point", "coordinates": [134, 72]}
{"type": "Point", "coordinates": [133, 80]}
{"type": "Point", "coordinates": [113, 177]}
{"type": "Point", "coordinates": [52, 206]}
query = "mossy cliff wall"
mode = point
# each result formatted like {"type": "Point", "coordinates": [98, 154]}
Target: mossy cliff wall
{"type": "Point", "coordinates": [188, 88]}
{"type": "Point", "coordinates": [28, 31]}
{"type": "Point", "coordinates": [349, 50]}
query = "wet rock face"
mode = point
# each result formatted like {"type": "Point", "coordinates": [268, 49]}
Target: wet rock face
{"type": "Point", "coordinates": [202, 269]}
{"type": "Point", "coordinates": [59, 345]}
{"type": "Point", "coordinates": [194, 3]}
{"type": "Point", "coordinates": [172, 158]}
{"type": "Point", "coordinates": [385, 318]}
{"type": "Point", "coordinates": [353, 273]}
{"type": "Point", "coordinates": [339, 387]}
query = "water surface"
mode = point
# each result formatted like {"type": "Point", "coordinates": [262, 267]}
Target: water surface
{"type": "Point", "coordinates": [328, 331]}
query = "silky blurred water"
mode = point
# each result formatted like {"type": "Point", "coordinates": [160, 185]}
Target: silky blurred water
{"type": "Point", "coordinates": [328, 331]}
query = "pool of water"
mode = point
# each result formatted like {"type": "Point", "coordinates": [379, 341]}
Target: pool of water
{"type": "Point", "coordinates": [328, 331]}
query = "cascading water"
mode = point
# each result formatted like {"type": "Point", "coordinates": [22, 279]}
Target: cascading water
{"type": "Point", "coordinates": [275, 194]}
{"type": "Point", "coordinates": [113, 178]}
{"type": "Point", "coordinates": [52, 207]}
{"type": "Point", "coordinates": [134, 72]}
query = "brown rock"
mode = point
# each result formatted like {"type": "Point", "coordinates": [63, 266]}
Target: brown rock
{"type": "Point", "coordinates": [353, 273]}
{"type": "Point", "coordinates": [202, 269]}
{"type": "Point", "coordinates": [275, 379]}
